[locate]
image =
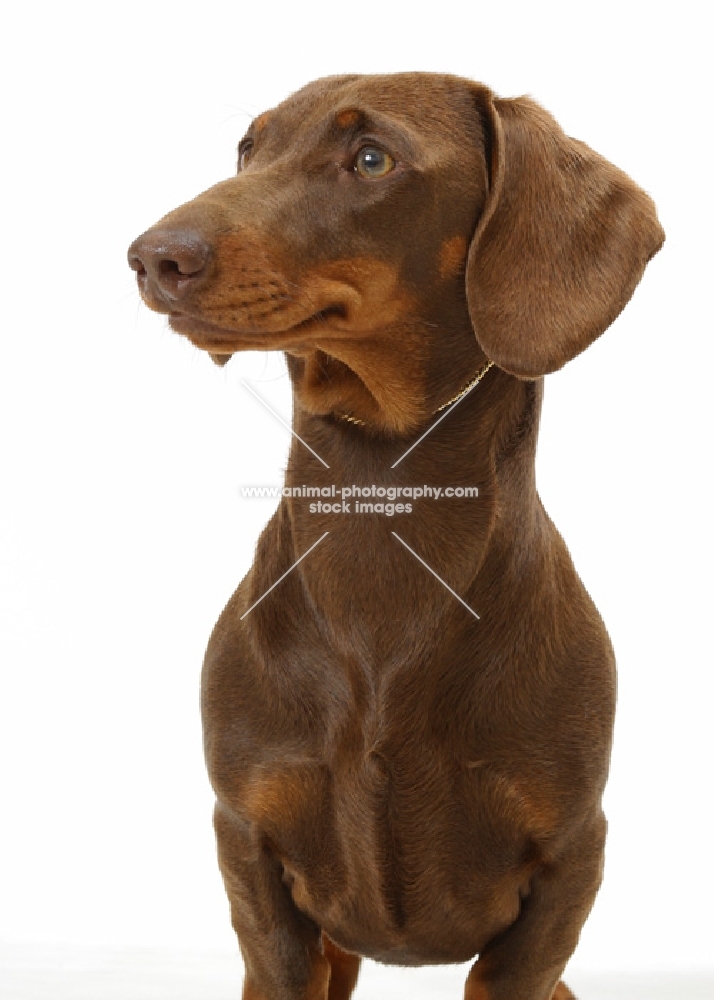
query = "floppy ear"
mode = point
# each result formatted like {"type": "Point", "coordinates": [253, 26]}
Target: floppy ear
{"type": "Point", "coordinates": [561, 244]}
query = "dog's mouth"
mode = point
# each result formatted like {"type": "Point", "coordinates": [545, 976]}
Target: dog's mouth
{"type": "Point", "coordinates": [218, 340]}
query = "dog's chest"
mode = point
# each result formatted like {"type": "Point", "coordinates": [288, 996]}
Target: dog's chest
{"type": "Point", "coordinates": [372, 791]}
{"type": "Point", "coordinates": [374, 842]}
{"type": "Point", "coordinates": [355, 815]}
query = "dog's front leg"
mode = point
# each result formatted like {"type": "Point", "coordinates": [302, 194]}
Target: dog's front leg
{"type": "Point", "coordinates": [281, 947]}
{"type": "Point", "coordinates": [526, 961]}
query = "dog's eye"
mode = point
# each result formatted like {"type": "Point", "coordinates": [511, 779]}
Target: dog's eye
{"type": "Point", "coordinates": [244, 153]}
{"type": "Point", "coordinates": [373, 163]}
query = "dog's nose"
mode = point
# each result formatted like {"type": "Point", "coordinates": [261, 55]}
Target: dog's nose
{"type": "Point", "coordinates": [169, 263]}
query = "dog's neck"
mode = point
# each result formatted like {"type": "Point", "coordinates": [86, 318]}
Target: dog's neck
{"type": "Point", "coordinates": [487, 441]}
{"type": "Point", "coordinates": [471, 384]}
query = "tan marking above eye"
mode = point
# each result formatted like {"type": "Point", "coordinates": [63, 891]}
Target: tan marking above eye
{"type": "Point", "coordinates": [348, 117]}
{"type": "Point", "coordinates": [260, 122]}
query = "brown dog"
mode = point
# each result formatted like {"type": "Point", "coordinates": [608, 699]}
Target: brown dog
{"type": "Point", "coordinates": [394, 777]}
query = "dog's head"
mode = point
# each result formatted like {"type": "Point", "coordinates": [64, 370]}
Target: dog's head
{"type": "Point", "coordinates": [391, 217]}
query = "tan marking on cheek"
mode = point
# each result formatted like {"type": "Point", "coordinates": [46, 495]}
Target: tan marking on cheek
{"type": "Point", "coordinates": [376, 303]}
{"type": "Point", "coordinates": [347, 118]}
{"type": "Point", "coordinates": [452, 256]}
{"type": "Point", "coordinates": [369, 289]}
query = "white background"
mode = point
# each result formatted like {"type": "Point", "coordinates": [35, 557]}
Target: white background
{"type": "Point", "coordinates": [123, 448]}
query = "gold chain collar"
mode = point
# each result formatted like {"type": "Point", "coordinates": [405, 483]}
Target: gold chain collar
{"type": "Point", "coordinates": [449, 402]}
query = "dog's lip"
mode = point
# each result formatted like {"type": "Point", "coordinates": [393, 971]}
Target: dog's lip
{"type": "Point", "coordinates": [216, 339]}
{"type": "Point", "coordinates": [200, 332]}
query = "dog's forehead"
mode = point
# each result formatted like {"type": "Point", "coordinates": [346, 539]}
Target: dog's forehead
{"type": "Point", "coordinates": [428, 102]}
